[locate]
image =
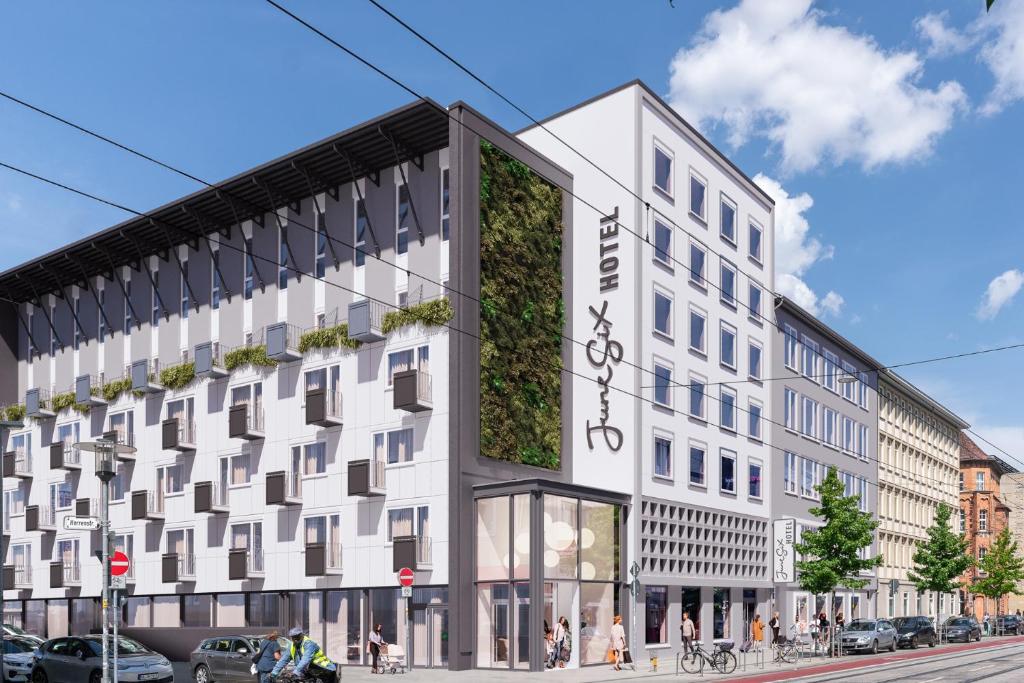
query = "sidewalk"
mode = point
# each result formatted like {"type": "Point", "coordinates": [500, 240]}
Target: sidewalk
{"type": "Point", "coordinates": [666, 669]}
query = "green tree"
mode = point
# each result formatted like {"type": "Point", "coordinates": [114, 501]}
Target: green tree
{"type": "Point", "coordinates": [830, 555]}
{"type": "Point", "coordinates": [940, 561]}
{"type": "Point", "coordinates": [1003, 569]}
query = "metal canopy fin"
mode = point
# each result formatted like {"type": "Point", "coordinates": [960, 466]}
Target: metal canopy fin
{"type": "Point", "coordinates": [21, 319]}
{"type": "Point", "coordinates": [92, 290]}
{"type": "Point", "coordinates": [46, 313]}
{"type": "Point", "coordinates": [181, 268]}
{"type": "Point", "coordinates": [359, 193]}
{"type": "Point", "coordinates": [124, 292]}
{"type": "Point", "coordinates": [396, 142]}
{"type": "Point", "coordinates": [405, 182]}
{"type": "Point", "coordinates": [331, 189]}
{"type": "Point", "coordinates": [368, 171]}
{"type": "Point", "coordinates": [238, 222]}
{"type": "Point", "coordinates": [320, 215]}
{"type": "Point", "coordinates": [67, 299]}
{"type": "Point", "coordinates": [282, 231]}
{"type": "Point", "coordinates": [149, 274]}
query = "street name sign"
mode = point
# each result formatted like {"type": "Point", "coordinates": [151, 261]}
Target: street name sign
{"type": "Point", "coordinates": [81, 523]}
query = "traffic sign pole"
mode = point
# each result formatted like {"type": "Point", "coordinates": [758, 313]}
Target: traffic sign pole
{"type": "Point", "coordinates": [406, 577]}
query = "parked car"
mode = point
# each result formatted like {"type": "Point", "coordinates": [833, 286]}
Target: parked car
{"type": "Point", "coordinates": [1010, 624]}
{"type": "Point", "coordinates": [962, 628]}
{"type": "Point", "coordinates": [226, 658]}
{"type": "Point", "coordinates": [10, 630]}
{"type": "Point", "coordinates": [18, 658]}
{"type": "Point", "coordinates": [869, 635]}
{"type": "Point", "coordinates": [914, 631]}
{"type": "Point", "coordinates": [78, 659]}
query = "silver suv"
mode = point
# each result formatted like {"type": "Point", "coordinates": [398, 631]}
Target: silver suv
{"type": "Point", "coordinates": [869, 635]}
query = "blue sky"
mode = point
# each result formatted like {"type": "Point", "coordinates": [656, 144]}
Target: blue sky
{"type": "Point", "coordinates": [891, 132]}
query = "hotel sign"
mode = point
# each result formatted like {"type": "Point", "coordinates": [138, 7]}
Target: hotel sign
{"type": "Point", "coordinates": [783, 554]}
{"type": "Point", "coordinates": [604, 353]}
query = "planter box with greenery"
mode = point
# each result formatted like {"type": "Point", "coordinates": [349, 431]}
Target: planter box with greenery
{"type": "Point", "coordinates": [521, 314]}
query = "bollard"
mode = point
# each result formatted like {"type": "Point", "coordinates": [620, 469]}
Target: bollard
{"type": "Point", "coordinates": [654, 663]}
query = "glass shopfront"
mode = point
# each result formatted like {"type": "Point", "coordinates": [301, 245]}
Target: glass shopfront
{"type": "Point", "coordinates": [575, 564]}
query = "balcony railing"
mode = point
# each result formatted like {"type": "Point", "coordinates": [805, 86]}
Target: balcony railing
{"type": "Point", "coordinates": [283, 341]}
{"type": "Point", "coordinates": [186, 566]}
{"type": "Point", "coordinates": [367, 477]}
{"type": "Point", "coordinates": [89, 390]}
{"type": "Point", "coordinates": [423, 555]}
{"type": "Point", "coordinates": [283, 488]}
{"type": "Point", "coordinates": [210, 497]}
{"type": "Point", "coordinates": [72, 574]}
{"type": "Point", "coordinates": [245, 421]}
{"type": "Point", "coordinates": [65, 455]}
{"type": "Point", "coordinates": [412, 391]}
{"type": "Point", "coordinates": [120, 435]}
{"type": "Point", "coordinates": [147, 505]}
{"type": "Point", "coordinates": [323, 407]}
{"type": "Point", "coordinates": [144, 374]}
{"type": "Point", "coordinates": [21, 463]}
{"type": "Point", "coordinates": [22, 576]}
{"type": "Point", "coordinates": [37, 403]}
{"type": "Point", "coordinates": [40, 518]}
{"type": "Point", "coordinates": [333, 557]}
{"type": "Point", "coordinates": [255, 562]}
{"type": "Point", "coordinates": [179, 434]}
{"type": "Point", "coordinates": [365, 318]}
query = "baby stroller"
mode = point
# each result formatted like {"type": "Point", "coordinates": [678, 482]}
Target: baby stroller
{"type": "Point", "coordinates": [392, 658]}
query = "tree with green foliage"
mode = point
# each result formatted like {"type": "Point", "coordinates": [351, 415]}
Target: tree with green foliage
{"type": "Point", "coordinates": [940, 561]}
{"type": "Point", "coordinates": [830, 556]}
{"type": "Point", "coordinates": [1003, 569]}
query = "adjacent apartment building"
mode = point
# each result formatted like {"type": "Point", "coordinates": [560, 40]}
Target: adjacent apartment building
{"type": "Point", "coordinates": [672, 282]}
{"type": "Point", "coordinates": [983, 516]}
{"type": "Point", "coordinates": [315, 363]}
{"type": "Point", "coordinates": [1011, 492]}
{"type": "Point", "coordinates": [825, 413]}
{"type": "Point", "coordinates": [918, 468]}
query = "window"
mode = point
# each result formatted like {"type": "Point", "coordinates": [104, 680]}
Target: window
{"type": "Point", "coordinates": [662, 243]}
{"type": "Point", "coordinates": [124, 425]}
{"type": "Point", "coordinates": [862, 390]}
{"type": "Point", "coordinates": [791, 347]}
{"type": "Point", "coordinates": [963, 521]}
{"type": "Point", "coordinates": [754, 359]}
{"type": "Point", "coordinates": [728, 345]}
{"type": "Point", "coordinates": [789, 473]}
{"type": "Point", "coordinates": [979, 481]}
{"type": "Point", "coordinates": [810, 359]}
{"type": "Point", "coordinates": [727, 220]}
{"type": "Point", "coordinates": [848, 434]}
{"type": "Point", "coordinates": [831, 371]}
{"type": "Point", "coordinates": [809, 418]}
{"type": "Point", "coordinates": [215, 281]}
{"type": "Point", "coordinates": [154, 300]}
{"type": "Point", "coordinates": [662, 457]}
{"type": "Point", "coordinates": [754, 479]}
{"type": "Point", "coordinates": [320, 221]}
{"type": "Point", "coordinates": [409, 522]}
{"type": "Point", "coordinates": [78, 332]}
{"type": "Point", "coordinates": [808, 477]}
{"type": "Point", "coordinates": [31, 326]}
{"type": "Point", "coordinates": [727, 465]}
{"type": "Point", "coordinates": [445, 206]}
{"type": "Point", "coordinates": [399, 445]}
{"type": "Point", "coordinates": [697, 388]}
{"type": "Point", "coordinates": [324, 529]}
{"type": "Point", "coordinates": [183, 542]}
{"type": "Point", "coordinates": [170, 480]}
{"type": "Point", "coordinates": [61, 495]}
{"type": "Point", "coordinates": [754, 246]}
{"type": "Point", "coordinates": [310, 459]}
{"type": "Point", "coordinates": [862, 491]}
{"type": "Point", "coordinates": [662, 384]}
{"type": "Point", "coordinates": [250, 269]}
{"type": "Point", "coordinates": [235, 470]}
{"type": "Point", "coordinates": [248, 536]}
{"type": "Point", "coordinates": [728, 284]}
{"type": "Point", "coordinates": [862, 441]}
{"type": "Point", "coordinates": [849, 390]}
{"type": "Point", "coordinates": [830, 427]}
{"type": "Point", "coordinates": [53, 335]}
{"type": "Point", "coordinates": [983, 520]}
{"type": "Point", "coordinates": [982, 552]}
{"type": "Point", "coordinates": [186, 292]}
{"type": "Point", "coordinates": [754, 414]}
{"type": "Point", "coordinates": [119, 484]}
{"type": "Point", "coordinates": [656, 615]}
{"type": "Point", "coordinates": [789, 408]}
{"type": "Point", "coordinates": [698, 464]}
{"type": "Point", "coordinates": [728, 409]}
{"type": "Point", "coordinates": [754, 303]}
{"type": "Point", "coordinates": [408, 359]}
{"type": "Point", "coordinates": [697, 259]}
{"type": "Point", "coordinates": [360, 228]}
{"type": "Point", "coordinates": [961, 481]}
{"type": "Point", "coordinates": [698, 192]}
{"type": "Point", "coordinates": [284, 258]}
{"type": "Point", "coordinates": [662, 314]}
{"type": "Point", "coordinates": [402, 230]}
{"type": "Point", "coordinates": [663, 163]}
{"type": "Point", "coordinates": [698, 322]}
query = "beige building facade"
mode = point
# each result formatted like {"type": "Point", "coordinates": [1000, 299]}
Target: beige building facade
{"type": "Point", "coordinates": [918, 468]}
{"type": "Point", "coordinates": [1012, 486]}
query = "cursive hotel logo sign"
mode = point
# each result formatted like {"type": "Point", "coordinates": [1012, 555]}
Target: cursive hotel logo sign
{"type": "Point", "coordinates": [604, 353]}
{"type": "Point", "coordinates": [783, 554]}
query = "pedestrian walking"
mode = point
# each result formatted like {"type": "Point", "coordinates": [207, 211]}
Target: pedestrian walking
{"type": "Point", "coordinates": [376, 642]}
{"type": "Point", "coordinates": [688, 632]}
{"type": "Point", "coordinates": [266, 656]}
{"type": "Point", "coordinates": [757, 632]}
{"type": "Point", "coordinates": [617, 641]}
{"type": "Point", "coordinates": [775, 624]}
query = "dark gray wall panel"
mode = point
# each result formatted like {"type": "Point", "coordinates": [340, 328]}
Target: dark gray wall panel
{"type": "Point", "coordinates": [381, 205]}
{"type": "Point", "coordinates": [340, 222]}
{"type": "Point", "coordinates": [199, 268]}
{"type": "Point", "coordinates": [9, 366]}
{"type": "Point", "coordinates": [264, 305]}
{"type": "Point", "coordinates": [231, 267]}
{"type": "Point", "coordinates": [425, 192]}
{"type": "Point", "coordinates": [303, 244]}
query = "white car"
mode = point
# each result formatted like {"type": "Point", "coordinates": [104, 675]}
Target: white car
{"type": "Point", "coordinates": [18, 658]}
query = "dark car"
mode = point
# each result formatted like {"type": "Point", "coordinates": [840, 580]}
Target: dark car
{"type": "Point", "coordinates": [964, 629]}
{"type": "Point", "coordinates": [226, 658]}
{"type": "Point", "coordinates": [79, 660]}
{"type": "Point", "coordinates": [1010, 624]}
{"type": "Point", "coordinates": [914, 631]}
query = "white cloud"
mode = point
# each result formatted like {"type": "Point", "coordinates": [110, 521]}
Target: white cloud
{"type": "Point", "coordinates": [796, 250]}
{"type": "Point", "coordinates": [1003, 53]}
{"type": "Point", "coordinates": [817, 92]}
{"type": "Point", "coordinates": [943, 40]}
{"type": "Point", "coordinates": [1000, 292]}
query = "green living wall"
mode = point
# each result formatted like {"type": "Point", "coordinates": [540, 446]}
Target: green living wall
{"type": "Point", "coordinates": [521, 313]}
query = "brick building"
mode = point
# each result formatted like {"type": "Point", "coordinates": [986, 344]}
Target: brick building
{"type": "Point", "coordinates": [983, 515]}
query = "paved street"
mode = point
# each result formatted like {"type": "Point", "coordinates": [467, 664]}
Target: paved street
{"type": "Point", "coordinates": [999, 660]}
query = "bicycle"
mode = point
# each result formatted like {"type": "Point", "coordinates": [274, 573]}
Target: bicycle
{"type": "Point", "coordinates": [721, 659]}
{"type": "Point", "coordinates": [787, 651]}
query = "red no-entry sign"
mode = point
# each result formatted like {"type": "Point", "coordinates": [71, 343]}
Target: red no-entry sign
{"type": "Point", "coordinates": [405, 576]}
{"type": "Point", "coordinates": [118, 564]}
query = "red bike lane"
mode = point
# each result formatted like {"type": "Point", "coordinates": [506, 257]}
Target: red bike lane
{"type": "Point", "coordinates": [852, 662]}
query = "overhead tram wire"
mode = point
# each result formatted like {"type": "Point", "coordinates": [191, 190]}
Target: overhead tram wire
{"type": "Point", "coordinates": [449, 326]}
{"type": "Point", "coordinates": [416, 94]}
{"type": "Point", "coordinates": [337, 240]}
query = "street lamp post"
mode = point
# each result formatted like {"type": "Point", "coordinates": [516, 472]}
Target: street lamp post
{"type": "Point", "coordinates": [106, 468]}
{"type": "Point", "coordinates": [5, 427]}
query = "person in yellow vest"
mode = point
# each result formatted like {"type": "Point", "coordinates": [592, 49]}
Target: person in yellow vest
{"type": "Point", "coordinates": [308, 658]}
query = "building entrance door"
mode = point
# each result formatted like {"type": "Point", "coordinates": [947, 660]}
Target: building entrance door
{"type": "Point", "coordinates": [436, 622]}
